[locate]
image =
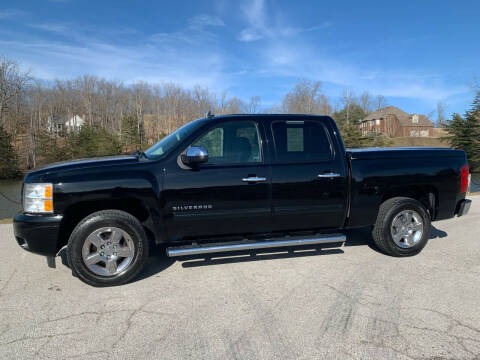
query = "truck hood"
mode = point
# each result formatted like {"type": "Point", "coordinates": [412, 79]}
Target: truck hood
{"type": "Point", "coordinates": [83, 163]}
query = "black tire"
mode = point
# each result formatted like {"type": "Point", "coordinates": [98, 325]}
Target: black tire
{"type": "Point", "coordinates": [381, 232]}
{"type": "Point", "coordinates": [95, 221]}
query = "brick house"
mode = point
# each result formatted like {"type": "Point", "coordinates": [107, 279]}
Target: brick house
{"type": "Point", "coordinates": [393, 122]}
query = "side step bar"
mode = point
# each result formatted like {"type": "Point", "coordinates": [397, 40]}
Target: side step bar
{"type": "Point", "coordinates": [251, 244]}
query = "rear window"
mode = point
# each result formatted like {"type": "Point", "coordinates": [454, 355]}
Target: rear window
{"type": "Point", "coordinates": [301, 141]}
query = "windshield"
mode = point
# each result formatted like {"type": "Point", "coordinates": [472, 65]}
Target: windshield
{"type": "Point", "coordinates": [169, 142]}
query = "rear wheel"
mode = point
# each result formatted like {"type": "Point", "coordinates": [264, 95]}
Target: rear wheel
{"type": "Point", "coordinates": [402, 227]}
{"type": "Point", "coordinates": [107, 248]}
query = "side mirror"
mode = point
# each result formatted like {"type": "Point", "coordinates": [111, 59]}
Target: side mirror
{"type": "Point", "coordinates": [195, 155]}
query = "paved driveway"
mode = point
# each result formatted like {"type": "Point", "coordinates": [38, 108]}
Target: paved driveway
{"type": "Point", "coordinates": [348, 302]}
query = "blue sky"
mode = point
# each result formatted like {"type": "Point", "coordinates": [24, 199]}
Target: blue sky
{"type": "Point", "coordinates": [415, 53]}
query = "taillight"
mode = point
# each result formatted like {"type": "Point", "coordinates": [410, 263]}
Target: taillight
{"type": "Point", "coordinates": [464, 177]}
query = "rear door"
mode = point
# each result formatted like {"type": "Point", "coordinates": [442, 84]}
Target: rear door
{"type": "Point", "coordinates": [309, 176]}
{"type": "Point", "coordinates": [230, 193]}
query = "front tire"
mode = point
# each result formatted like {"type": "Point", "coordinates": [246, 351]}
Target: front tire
{"type": "Point", "coordinates": [402, 227]}
{"type": "Point", "coordinates": [107, 248]}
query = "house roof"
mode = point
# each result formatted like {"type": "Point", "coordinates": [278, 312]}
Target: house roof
{"type": "Point", "coordinates": [404, 118]}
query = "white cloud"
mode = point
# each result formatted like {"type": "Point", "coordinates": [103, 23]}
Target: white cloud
{"type": "Point", "coordinates": [203, 20]}
{"type": "Point", "coordinates": [260, 26]}
{"type": "Point", "coordinates": [286, 52]}
{"type": "Point", "coordinates": [11, 14]}
{"type": "Point", "coordinates": [190, 56]}
{"type": "Point", "coordinates": [321, 26]}
{"type": "Point", "coordinates": [282, 52]}
{"type": "Point", "coordinates": [254, 13]}
{"type": "Point", "coordinates": [58, 28]}
{"type": "Point", "coordinates": [249, 34]}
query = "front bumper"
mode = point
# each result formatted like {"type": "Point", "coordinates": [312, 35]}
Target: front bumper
{"type": "Point", "coordinates": [464, 207]}
{"type": "Point", "coordinates": [37, 233]}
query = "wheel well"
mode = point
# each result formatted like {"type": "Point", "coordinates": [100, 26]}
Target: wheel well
{"type": "Point", "coordinates": [75, 213]}
{"type": "Point", "coordinates": [427, 195]}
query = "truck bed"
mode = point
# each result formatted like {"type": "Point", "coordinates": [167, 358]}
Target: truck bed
{"type": "Point", "coordinates": [379, 173]}
{"type": "Point", "coordinates": [403, 153]}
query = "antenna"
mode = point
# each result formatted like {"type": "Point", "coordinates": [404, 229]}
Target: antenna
{"type": "Point", "coordinates": [209, 115]}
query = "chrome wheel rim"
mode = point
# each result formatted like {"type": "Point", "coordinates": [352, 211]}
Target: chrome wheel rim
{"type": "Point", "coordinates": [407, 228]}
{"type": "Point", "coordinates": [108, 251]}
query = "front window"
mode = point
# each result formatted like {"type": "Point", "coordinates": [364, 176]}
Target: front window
{"type": "Point", "coordinates": [234, 142]}
{"type": "Point", "coordinates": [169, 142]}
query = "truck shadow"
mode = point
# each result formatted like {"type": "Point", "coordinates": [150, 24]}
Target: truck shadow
{"type": "Point", "coordinates": [363, 236]}
{"type": "Point", "coordinates": [257, 255]}
{"type": "Point", "coordinates": [158, 261]}
{"type": "Point", "coordinates": [355, 237]}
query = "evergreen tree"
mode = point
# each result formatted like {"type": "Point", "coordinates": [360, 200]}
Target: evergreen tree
{"type": "Point", "coordinates": [51, 148]}
{"type": "Point", "coordinates": [131, 137]}
{"type": "Point", "coordinates": [348, 120]}
{"type": "Point", "coordinates": [351, 114]}
{"type": "Point", "coordinates": [352, 137]}
{"type": "Point", "coordinates": [92, 141]}
{"type": "Point", "coordinates": [465, 133]}
{"type": "Point", "coordinates": [8, 157]}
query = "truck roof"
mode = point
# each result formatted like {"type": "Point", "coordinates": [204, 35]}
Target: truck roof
{"type": "Point", "coordinates": [294, 116]}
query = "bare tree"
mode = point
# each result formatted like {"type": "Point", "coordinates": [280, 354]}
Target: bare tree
{"type": "Point", "coordinates": [235, 106]}
{"type": "Point", "coordinates": [12, 84]}
{"type": "Point", "coordinates": [306, 98]}
{"type": "Point", "coordinates": [441, 117]}
{"type": "Point", "coordinates": [380, 102]}
{"type": "Point", "coordinates": [254, 105]}
{"type": "Point", "coordinates": [366, 102]}
{"type": "Point", "coordinates": [348, 99]}
{"type": "Point", "coordinates": [141, 93]}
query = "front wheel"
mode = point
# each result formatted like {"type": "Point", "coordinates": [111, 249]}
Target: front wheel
{"type": "Point", "coordinates": [107, 248]}
{"type": "Point", "coordinates": [402, 227]}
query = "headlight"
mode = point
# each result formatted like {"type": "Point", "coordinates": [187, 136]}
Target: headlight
{"type": "Point", "coordinates": [38, 198]}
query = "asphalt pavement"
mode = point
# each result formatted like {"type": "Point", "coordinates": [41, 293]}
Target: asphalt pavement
{"type": "Point", "coordinates": [311, 303]}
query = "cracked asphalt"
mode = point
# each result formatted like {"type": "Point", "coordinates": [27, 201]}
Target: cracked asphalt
{"type": "Point", "coordinates": [333, 303]}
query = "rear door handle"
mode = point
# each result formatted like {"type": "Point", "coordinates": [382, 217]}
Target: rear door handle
{"type": "Point", "coordinates": [328, 175]}
{"type": "Point", "coordinates": [254, 179]}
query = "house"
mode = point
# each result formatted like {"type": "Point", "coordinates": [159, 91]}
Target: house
{"type": "Point", "coordinates": [393, 122]}
{"type": "Point", "coordinates": [59, 123]}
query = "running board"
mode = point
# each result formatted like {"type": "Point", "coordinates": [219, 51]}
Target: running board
{"type": "Point", "coordinates": [252, 245]}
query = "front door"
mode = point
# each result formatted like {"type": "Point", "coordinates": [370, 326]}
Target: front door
{"type": "Point", "coordinates": [229, 194]}
{"type": "Point", "coordinates": [309, 178]}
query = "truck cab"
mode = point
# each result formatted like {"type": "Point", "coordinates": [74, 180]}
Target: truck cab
{"type": "Point", "coordinates": [263, 175]}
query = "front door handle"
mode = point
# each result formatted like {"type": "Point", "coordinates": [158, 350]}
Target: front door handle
{"type": "Point", "coordinates": [254, 179]}
{"type": "Point", "coordinates": [329, 175]}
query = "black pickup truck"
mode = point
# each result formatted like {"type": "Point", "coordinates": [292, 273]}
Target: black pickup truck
{"type": "Point", "coordinates": [236, 182]}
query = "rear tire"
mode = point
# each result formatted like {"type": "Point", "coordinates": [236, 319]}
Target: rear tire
{"type": "Point", "coordinates": [107, 248]}
{"type": "Point", "coordinates": [402, 227]}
